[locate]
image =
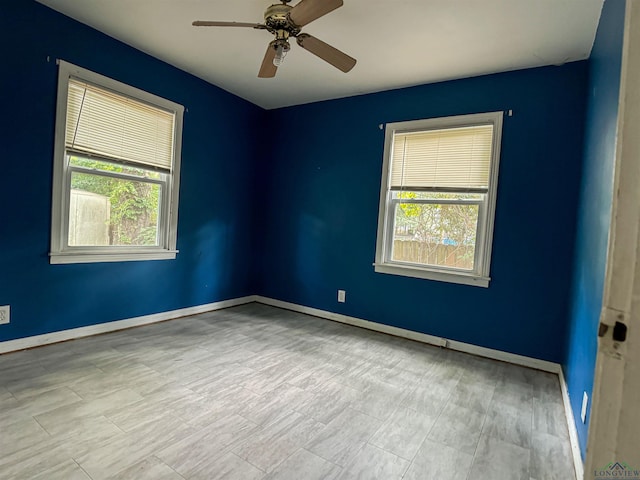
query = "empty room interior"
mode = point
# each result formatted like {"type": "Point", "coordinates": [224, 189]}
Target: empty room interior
{"type": "Point", "coordinates": [349, 240]}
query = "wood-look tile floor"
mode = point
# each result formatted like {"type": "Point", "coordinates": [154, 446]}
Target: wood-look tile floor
{"type": "Point", "coordinates": [255, 392]}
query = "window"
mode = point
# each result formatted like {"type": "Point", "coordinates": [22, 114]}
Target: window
{"type": "Point", "coordinates": [116, 171]}
{"type": "Point", "coordinates": [438, 196]}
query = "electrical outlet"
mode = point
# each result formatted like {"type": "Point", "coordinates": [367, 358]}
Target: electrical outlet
{"type": "Point", "coordinates": [583, 412]}
{"type": "Point", "coordinates": [4, 314]}
{"type": "Point", "coordinates": [342, 296]}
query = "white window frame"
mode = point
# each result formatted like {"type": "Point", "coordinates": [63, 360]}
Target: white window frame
{"type": "Point", "coordinates": [61, 252]}
{"type": "Point", "coordinates": [484, 238]}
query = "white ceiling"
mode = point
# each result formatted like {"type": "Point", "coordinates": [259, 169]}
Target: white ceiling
{"type": "Point", "coordinates": [397, 43]}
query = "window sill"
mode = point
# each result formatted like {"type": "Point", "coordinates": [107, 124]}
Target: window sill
{"type": "Point", "coordinates": [95, 257]}
{"type": "Point", "coordinates": [438, 275]}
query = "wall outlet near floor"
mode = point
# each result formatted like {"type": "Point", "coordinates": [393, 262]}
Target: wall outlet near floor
{"type": "Point", "coordinates": [342, 296]}
{"type": "Point", "coordinates": [583, 412]}
{"type": "Point", "coordinates": [5, 312]}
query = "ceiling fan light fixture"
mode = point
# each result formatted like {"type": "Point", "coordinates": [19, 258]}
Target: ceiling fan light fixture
{"type": "Point", "coordinates": [281, 46]}
{"type": "Point", "coordinates": [277, 60]}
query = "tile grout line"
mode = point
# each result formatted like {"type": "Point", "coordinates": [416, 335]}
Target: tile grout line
{"type": "Point", "coordinates": [41, 426]}
{"type": "Point", "coordinates": [80, 467]}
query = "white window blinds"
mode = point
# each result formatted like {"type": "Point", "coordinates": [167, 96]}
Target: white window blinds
{"type": "Point", "coordinates": [113, 126]}
{"type": "Point", "coordinates": [450, 158]}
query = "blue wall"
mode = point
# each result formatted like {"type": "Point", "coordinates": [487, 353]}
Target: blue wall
{"type": "Point", "coordinates": [215, 229]}
{"type": "Point", "coordinates": [321, 210]}
{"type": "Point", "coordinates": [594, 212]}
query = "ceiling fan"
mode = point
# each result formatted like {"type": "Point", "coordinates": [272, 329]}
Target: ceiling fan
{"type": "Point", "coordinates": [284, 22]}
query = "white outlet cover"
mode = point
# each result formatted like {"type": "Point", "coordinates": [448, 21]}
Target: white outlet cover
{"type": "Point", "coordinates": [5, 314]}
{"type": "Point", "coordinates": [585, 402]}
{"type": "Point", "coordinates": [342, 296]}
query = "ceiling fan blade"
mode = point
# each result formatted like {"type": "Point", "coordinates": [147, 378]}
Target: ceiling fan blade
{"type": "Point", "coordinates": [326, 52]}
{"type": "Point", "coordinates": [309, 10]}
{"type": "Point", "coordinates": [268, 69]}
{"type": "Point", "coordinates": [204, 23]}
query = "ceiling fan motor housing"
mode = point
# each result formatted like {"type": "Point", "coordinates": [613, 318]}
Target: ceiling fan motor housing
{"type": "Point", "coordinates": [276, 18]}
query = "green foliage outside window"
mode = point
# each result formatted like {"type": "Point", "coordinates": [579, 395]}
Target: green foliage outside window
{"type": "Point", "coordinates": [453, 224]}
{"type": "Point", "coordinates": [134, 204]}
{"type": "Point", "coordinates": [435, 233]}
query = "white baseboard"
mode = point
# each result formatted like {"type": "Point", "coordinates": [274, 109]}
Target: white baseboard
{"type": "Point", "coordinates": [55, 337]}
{"type": "Point", "coordinates": [571, 425]}
{"type": "Point", "coordinates": [64, 335]}
{"type": "Point", "coordinates": [419, 337]}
